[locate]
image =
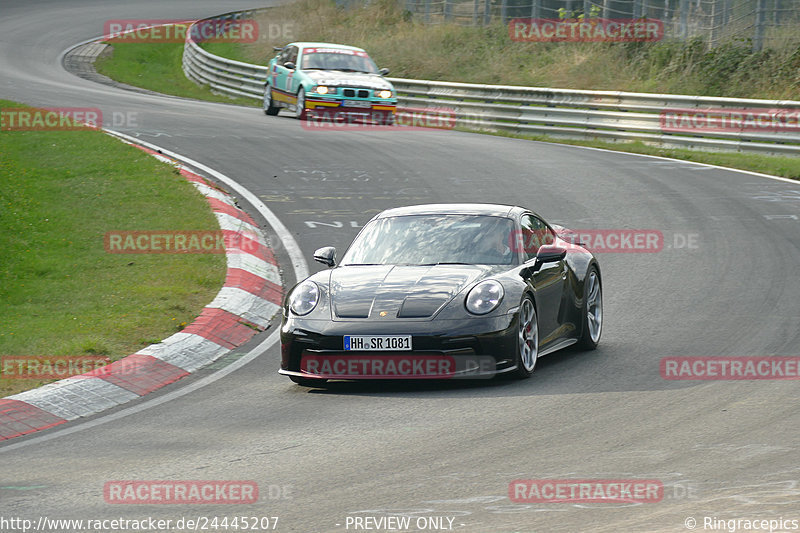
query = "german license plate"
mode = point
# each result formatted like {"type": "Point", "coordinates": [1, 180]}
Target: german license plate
{"type": "Point", "coordinates": [357, 103]}
{"type": "Point", "coordinates": [394, 343]}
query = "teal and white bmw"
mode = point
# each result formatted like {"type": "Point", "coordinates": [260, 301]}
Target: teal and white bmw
{"type": "Point", "coordinates": [329, 81]}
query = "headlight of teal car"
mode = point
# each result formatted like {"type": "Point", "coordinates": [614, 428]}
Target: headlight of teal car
{"type": "Point", "coordinates": [324, 89]}
{"type": "Point", "coordinates": [385, 93]}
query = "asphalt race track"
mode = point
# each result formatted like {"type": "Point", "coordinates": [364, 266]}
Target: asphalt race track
{"type": "Point", "coordinates": [722, 449]}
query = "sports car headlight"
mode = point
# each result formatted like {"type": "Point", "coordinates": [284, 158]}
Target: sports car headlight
{"type": "Point", "coordinates": [304, 298]}
{"type": "Point", "coordinates": [322, 89]}
{"type": "Point", "coordinates": [484, 297]}
{"type": "Point", "coordinates": [386, 93]}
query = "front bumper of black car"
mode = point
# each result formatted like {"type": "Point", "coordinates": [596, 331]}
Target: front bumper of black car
{"type": "Point", "coordinates": [472, 348]}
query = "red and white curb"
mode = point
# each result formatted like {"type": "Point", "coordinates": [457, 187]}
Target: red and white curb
{"type": "Point", "coordinates": [243, 307]}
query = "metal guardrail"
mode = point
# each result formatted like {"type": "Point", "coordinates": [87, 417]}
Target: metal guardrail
{"type": "Point", "coordinates": [574, 114]}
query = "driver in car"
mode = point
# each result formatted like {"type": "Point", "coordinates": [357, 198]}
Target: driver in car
{"type": "Point", "coordinates": [493, 246]}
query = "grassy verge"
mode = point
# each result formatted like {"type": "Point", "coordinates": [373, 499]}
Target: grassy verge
{"type": "Point", "coordinates": [157, 67]}
{"type": "Point", "coordinates": [61, 293]}
{"type": "Point", "coordinates": [786, 167]}
{"type": "Point", "coordinates": [487, 55]}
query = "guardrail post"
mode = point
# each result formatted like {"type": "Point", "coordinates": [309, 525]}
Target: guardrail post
{"type": "Point", "coordinates": [712, 37]}
{"type": "Point", "coordinates": [758, 33]}
{"type": "Point", "coordinates": [427, 11]}
{"type": "Point", "coordinates": [487, 12]}
{"type": "Point", "coordinates": [475, 7]}
{"type": "Point", "coordinates": [684, 7]}
{"type": "Point", "coordinates": [503, 11]}
{"type": "Point", "coordinates": [587, 9]}
{"type": "Point", "coordinates": [536, 7]}
{"type": "Point", "coordinates": [448, 10]}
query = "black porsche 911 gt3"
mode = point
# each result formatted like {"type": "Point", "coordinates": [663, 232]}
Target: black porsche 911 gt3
{"type": "Point", "coordinates": [442, 291]}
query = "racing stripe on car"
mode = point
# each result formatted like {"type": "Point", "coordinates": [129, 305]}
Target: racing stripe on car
{"type": "Point", "coordinates": [283, 96]}
{"type": "Point", "coordinates": [243, 307]}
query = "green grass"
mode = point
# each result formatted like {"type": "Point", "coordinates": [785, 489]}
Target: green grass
{"type": "Point", "coordinates": [786, 167]}
{"type": "Point", "coordinates": [487, 55]}
{"type": "Point", "coordinates": [157, 67]}
{"type": "Point", "coordinates": [61, 293]}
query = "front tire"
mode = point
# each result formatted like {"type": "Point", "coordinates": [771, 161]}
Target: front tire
{"type": "Point", "coordinates": [300, 107]}
{"type": "Point", "coordinates": [269, 108]}
{"type": "Point", "coordinates": [591, 310]}
{"type": "Point", "coordinates": [527, 339]}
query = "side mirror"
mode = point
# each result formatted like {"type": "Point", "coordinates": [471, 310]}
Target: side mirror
{"type": "Point", "coordinates": [290, 65]}
{"type": "Point", "coordinates": [327, 256]}
{"type": "Point", "coordinates": [549, 254]}
{"type": "Point", "coordinates": [383, 71]}
{"type": "Point", "coordinates": [546, 254]}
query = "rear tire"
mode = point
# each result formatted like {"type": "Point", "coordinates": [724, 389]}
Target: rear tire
{"type": "Point", "coordinates": [591, 310]}
{"type": "Point", "coordinates": [527, 339]}
{"type": "Point", "coordinates": [269, 109]}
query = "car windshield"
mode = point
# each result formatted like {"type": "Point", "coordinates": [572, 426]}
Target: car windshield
{"type": "Point", "coordinates": [336, 59]}
{"type": "Point", "coordinates": [433, 239]}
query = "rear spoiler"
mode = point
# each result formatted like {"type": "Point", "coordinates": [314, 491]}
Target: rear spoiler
{"type": "Point", "coordinates": [278, 48]}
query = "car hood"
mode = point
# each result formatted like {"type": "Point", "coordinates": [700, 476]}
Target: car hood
{"type": "Point", "coordinates": [398, 291]}
{"type": "Point", "coordinates": [338, 78]}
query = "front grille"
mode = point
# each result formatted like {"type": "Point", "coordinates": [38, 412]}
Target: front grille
{"type": "Point", "coordinates": [350, 93]}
